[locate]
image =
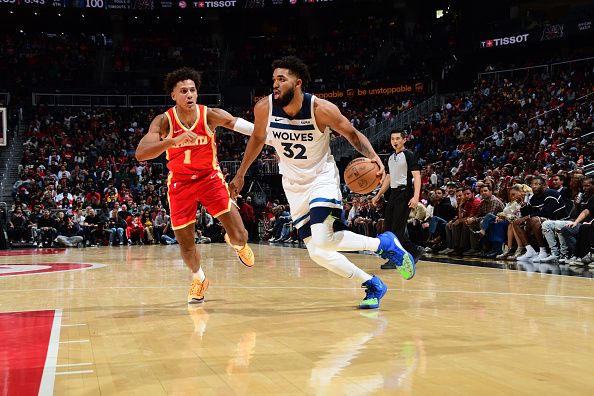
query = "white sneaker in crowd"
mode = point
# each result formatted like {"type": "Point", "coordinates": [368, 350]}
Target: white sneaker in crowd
{"type": "Point", "coordinates": [539, 257]}
{"type": "Point", "coordinates": [551, 258]}
{"type": "Point", "coordinates": [527, 256]}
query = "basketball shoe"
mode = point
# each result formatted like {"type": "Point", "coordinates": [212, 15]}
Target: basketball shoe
{"type": "Point", "coordinates": [197, 290]}
{"type": "Point", "coordinates": [375, 289]}
{"type": "Point", "coordinates": [244, 254]}
{"type": "Point", "coordinates": [391, 249]}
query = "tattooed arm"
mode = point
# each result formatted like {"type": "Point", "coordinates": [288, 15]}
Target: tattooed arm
{"type": "Point", "coordinates": [328, 115]}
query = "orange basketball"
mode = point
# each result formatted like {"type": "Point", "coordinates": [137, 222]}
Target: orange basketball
{"type": "Point", "coordinates": [361, 175]}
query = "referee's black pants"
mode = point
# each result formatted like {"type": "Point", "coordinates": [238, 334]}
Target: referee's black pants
{"type": "Point", "coordinates": [396, 216]}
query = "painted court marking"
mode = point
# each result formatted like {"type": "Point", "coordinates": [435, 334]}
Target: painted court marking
{"type": "Point", "coordinates": [19, 269]}
{"type": "Point", "coordinates": [73, 341]}
{"type": "Point", "coordinates": [74, 372]}
{"type": "Point", "coordinates": [49, 371]}
{"type": "Point", "coordinates": [30, 252]}
{"type": "Point", "coordinates": [74, 364]}
{"type": "Point", "coordinates": [29, 351]}
{"type": "Point", "coordinates": [316, 288]}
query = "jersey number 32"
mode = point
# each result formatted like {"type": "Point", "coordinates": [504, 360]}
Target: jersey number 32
{"type": "Point", "coordinates": [296, 151]}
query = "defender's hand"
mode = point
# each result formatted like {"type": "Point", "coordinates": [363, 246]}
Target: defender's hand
{"type": "Point", "coordinates": [236, 186]}
{"type": "Point", "coordinates": [186, 137]}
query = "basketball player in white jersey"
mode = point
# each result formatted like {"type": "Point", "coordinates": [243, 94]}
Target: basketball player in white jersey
{"type": "Point", "coordinates": [297, 125]}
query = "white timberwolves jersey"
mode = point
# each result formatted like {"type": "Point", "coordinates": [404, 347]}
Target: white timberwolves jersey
{"type": "Point", "coordinates": [303, 150]}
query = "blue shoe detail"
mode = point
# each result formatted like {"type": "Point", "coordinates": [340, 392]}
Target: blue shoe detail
{"type": "Point", "coordinates": [375, 289]}
{"type": "Point", "coordinates": [391, 249]}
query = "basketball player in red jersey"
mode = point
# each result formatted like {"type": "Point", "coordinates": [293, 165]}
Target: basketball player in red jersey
{"type": "Point", "coordinates": [186, 133]}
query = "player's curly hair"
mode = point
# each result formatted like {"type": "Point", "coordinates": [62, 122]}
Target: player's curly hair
{"type": "Point", "coordinates": [185, 73]}
{"type": "Point", "coordinates": [295, 66]}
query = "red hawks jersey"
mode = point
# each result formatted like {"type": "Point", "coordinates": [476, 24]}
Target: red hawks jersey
{"type": "Point", "coordinates": [195, 156]}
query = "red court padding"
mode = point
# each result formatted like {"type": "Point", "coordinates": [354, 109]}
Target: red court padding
{"type": "Point", "coordinates": [24, 340]}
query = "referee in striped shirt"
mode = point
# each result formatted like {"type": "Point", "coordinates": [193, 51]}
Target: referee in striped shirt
{"type": "Point", "coordinates": [404, 182]}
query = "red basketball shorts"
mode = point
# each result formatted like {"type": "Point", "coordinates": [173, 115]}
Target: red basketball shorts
{"type": "Point", "coordinates": [185, 191]}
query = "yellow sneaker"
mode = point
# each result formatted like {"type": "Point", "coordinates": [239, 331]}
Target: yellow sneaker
{"type": "Point", "coordinates": [197, 290]}
{"type": "Point", "coordinates": [244, 254]}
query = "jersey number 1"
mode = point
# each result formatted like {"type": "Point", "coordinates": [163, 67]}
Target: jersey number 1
{"type": "Point", "coordinates": [289, 153]}
{"type": "Point", "coordinates": [187, 156]}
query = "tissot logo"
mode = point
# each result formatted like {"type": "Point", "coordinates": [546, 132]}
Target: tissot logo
{"type": "Point", "coordinates": [216, 4]}
{"type": "Point", "coordinates": [521, 38]}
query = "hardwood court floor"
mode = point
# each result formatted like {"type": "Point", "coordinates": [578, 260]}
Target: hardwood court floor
{"type": "Point", "coordinates": [289, 327]}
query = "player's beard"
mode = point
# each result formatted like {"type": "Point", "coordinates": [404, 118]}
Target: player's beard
{"type": "Point", "coordinates": [285, 99]}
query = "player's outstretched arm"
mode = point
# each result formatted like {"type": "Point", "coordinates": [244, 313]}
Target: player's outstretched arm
{"type": "Point", "coordinates": [254, 146]}
{"type": "Point", "coordinates": [219, 117]}
{"type": "Point", "coordinates": [327, 114]}
{"type": "Point", "coordinates": [151, 145]}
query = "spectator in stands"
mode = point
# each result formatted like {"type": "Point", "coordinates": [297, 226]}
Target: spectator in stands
{"type": "Point", "coordinates": [363, 222]}
{"type": "Point", "coordinates": [569, 234]}
{"type": "Point", "coordinates": [246, 210]}
{"type": "Point", "coordinates": [451, 194]}
{"type": "Point", "coordinates": [414, 228]}
{"type": "Point", "coordinates": [161, 221]}
{"type": "Point", "coordinates": [552, 228]}
{"type": "Point", "coordinates": [479, 225]}
{"type": "Point", "coordinates": [282, 217]}
{"type": "Point", "coordinates": [123, 213]}
{"type": "Point", "coordinates": [205, 224]}
{"type": "Point", "coordinates": [116, 225]}
{"type": "Point", "coordinates": [457, 213]}
{"type": "Point", "coordinates": [147, 223]}
{"type": "Point", "coordinates": [585, 242]}
{"type": "Point", "coordinates": [134, 229]}
{"type": "Point", "coordinates": [545, 204]}
{"type": "Point", "coordinates": [18, 226]}
{"type": "Point", "coordinates": [34, 217]}
{"type": "Point", "coordinates": [79, 216]}
{"type": "Point", "coordinates": [92, 227]}
{"type": "Point", "coordinates": [69, 233]}
{"type": "Point", "coordinates": [443, 212]}
{"type": "Point", "coordinates": [46, 230]}
{"type": "Point", "coordinates": [469, 209]}
{"type": "Point", "coordinates": [558, 184]}
{"type": "Point", "coordinates": [504, 223]}
{"type": "Point", "coordinates": [168, 237]}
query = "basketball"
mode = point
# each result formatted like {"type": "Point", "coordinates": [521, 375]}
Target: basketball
{"type": "Point", "coordinates": [361, 176]}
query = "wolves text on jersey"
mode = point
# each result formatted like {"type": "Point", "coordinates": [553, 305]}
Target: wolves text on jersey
{"type": "Point", "coordinates": [293, 136]}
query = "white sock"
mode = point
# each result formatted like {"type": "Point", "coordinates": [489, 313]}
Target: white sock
{"type": "Point", "coordinates": [199, 275]}
{"type": "Point", "coordinates": [336, 262]}
{"type": "Point", "coordinates": [543, 250]}
{"type": "Point", "coordinates": [530, 249]}
{"type": "Point", "coordinates": [343, 241]}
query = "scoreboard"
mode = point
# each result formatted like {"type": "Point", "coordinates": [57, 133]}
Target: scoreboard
{"type": "Point", "coordinates": [156, 4]}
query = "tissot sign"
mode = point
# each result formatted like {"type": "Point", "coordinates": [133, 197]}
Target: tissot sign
{"type": "Point", "coordinates": [502, 41]}
{"type": "Point", "coordinates": [215, 4]}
